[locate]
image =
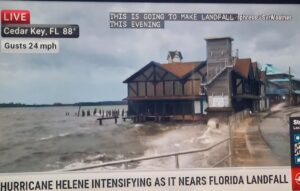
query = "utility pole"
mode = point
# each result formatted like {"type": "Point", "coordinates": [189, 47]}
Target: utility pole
{"type": "Point", "coordinates": [266, 88]}
{"type": "Point", "coordinates": [290, 87]}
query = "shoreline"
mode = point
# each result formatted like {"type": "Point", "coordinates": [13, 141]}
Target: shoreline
{"type": "Point", "coordinates": [260, 140]}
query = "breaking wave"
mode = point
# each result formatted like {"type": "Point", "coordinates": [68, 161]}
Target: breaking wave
{"type": "Point", "coordinates": [52, 136]}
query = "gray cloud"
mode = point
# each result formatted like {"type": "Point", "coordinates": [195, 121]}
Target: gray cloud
{"type": "Point", "coordinates": [92, 67]}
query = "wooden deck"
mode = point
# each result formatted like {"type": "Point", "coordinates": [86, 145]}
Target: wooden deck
{"type": "Point", "coordinates": [100, 119]}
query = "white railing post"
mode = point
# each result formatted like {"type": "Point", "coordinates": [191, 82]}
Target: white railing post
{"type": "Point", "coordinates": [176, 161]}
{"type": "Point", "coordinates": [230, 145]}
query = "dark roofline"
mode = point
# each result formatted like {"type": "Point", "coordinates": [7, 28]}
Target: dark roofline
{"type": "Point", "coordinates": [201, 65]}
{"type": "Point", "coordinates": [295, 79]}
{"type": "Point", "coordinates": [145, 68]}
{"type": "Point", "coordinates": [140, 70]}
{"type": "Point", "coordinates": [282, 73]}
{"type": "Point", "coordinates": [219, 38]}
{"type": "Point", "coordinates": [279, 73]}
{"type": "Point", "coordinates": [239, 72]}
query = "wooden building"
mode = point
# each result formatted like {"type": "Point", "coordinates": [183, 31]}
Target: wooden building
{"type": "Point", "coordinates": [281, 86]}
{"type": "Point", "coordinates": [172, 89]}
{"type": "Point", "coordinates": [190, 90]}
{"type": "Point", "coordinates": [246, 85]}
{"type": "Point", "coordinates": [233, 84]}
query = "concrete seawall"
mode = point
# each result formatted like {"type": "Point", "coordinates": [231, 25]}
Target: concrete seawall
{"type": "Point", "coordinates": [249, 147]}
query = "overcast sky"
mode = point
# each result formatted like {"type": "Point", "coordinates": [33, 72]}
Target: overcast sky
{"type": "Point", "coordinates": [92, 67]}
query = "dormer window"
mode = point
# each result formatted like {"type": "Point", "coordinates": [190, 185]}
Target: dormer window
{"type": "Point", "coordinates": [174, 56]}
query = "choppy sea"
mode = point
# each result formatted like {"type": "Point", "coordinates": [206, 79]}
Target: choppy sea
{"type": "Point", "coordinates": [46, 139]}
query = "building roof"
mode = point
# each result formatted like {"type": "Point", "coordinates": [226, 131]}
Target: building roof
{"type": "Point", "coordinates": [242, 66]}
{"type": "Point", "coordinates": [280, 80]}
{"type": "Point", "coordinates": [284, 80]}
{"type": "Point", "coordinates": [133, 76]}
{"type": "Point", "coordinates": [271, 70]}
{"type": "Point", "coordinates": [296, 79]}
{"type": "Point", "coordinates": [180, 68]}
{"type": "Point", "coordinates": [219, 38]}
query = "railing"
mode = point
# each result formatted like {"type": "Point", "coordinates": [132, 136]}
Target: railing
{"type": "Point", "coordinates": [175, 155]}
{"type": "Point", "coordinates": [217, 70]}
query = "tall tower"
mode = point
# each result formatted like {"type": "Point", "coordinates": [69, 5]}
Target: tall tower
{"type": "Point", "coordinates": [218, 55]}
{"type": "Point", "coordinates": [219, 66]}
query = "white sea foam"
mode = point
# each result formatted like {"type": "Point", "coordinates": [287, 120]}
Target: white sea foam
{"type": "Point", "coordinates": [178, 138]}
{"type": "Point", "coordinates": [46, 138]}
{"type": "Point", "coordinates": [138, 125]}
{"type": "Point", "coordinates": [186, 137]}
{"type": "Point", "coordinates": [95, 157]}
{"type": "Point", "coordinates": [75, 165]}
{"type": "Point", "coordinates": [64, 134]}
{"type": "Point", "coordinates": [52, 136]}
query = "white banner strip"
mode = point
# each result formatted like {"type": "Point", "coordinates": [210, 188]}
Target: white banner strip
{"type": "Point", "coordinates": [208, 179]}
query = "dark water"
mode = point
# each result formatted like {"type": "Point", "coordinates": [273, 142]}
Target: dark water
{"type": "Point", "coordinates": [45, 139]}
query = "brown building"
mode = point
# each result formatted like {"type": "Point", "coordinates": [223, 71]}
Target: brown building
{"type": "Point", "coordinates": [189, 90]}
{"type": "Point", "coordinates": [167, 89]}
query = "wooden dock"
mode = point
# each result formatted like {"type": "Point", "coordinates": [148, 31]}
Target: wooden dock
{"type": "Point", "coordinates": [100, 119]}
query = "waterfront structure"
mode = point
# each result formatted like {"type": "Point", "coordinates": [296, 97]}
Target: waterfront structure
{"type": "Point", "coordinates": [233, 84]}
{"type": "Point", "coordinates": [281, 86]}
{"type": "Point", "coordinates": [167, 89]}
{"type": "Point", "coordinates": [189, 90]}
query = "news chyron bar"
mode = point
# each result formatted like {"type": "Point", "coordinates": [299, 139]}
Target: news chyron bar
{"type": "Point", "coordinates": [149, 96]}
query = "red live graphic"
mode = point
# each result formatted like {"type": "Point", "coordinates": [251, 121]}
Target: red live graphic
{"type": "Point", "coordinates": [15, 17]}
